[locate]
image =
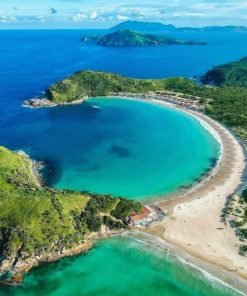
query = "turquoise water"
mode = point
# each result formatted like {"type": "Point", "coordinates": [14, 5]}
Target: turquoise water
{"type": "Point", "coordinates": [122, 147]}
{"type": "Point", "coordinates": [64, 137]}
{"type": "Point", "coordinates": [129, 148]}
{"type": "Point", "coordinates": [119, 266]}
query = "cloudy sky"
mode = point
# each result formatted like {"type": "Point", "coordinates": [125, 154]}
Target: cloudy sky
{"type": "Point", "coordinates": [105, 13]}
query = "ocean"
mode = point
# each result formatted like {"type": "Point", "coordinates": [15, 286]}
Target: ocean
{"type": "Point", "coordinates": [120, 136]}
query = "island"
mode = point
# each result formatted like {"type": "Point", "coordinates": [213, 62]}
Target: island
{"type": "Point", "coordinates": [230, 74]}
{"type": "Point", "coordinates": [140, 26]}
{"type": "Point", "coordinates": [129, 38]}
{"type": "Point", "coordinates": [40, 224]}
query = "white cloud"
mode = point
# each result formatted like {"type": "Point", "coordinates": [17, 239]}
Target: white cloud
{"type": "Point", "coordinates": [79, 16]}
{"type": "Point", "coordinates": [178, 12]}
{"type": "Point", "coordinates": [93, 15]}
{"type": "Point", "coordinates": [120, 17]}
{"type": "Point", "coordinates": [7, 19]}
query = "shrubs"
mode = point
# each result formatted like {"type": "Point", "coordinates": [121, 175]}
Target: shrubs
{"type": "Point", "coordinates": [32, 221]}
{"type": "Point", "coordinates": [91, 219]}
{"type": "Point", "coordinates": [124, 208]}
{"type": "Point", "coordinates": [243, 250]}
{"type": "Point", "coordinates": [244, 195]}
{"type": "Point", "coordinates": [93, 84]}
{"type": "Point", "coordinates": [101, 203]}
{"type": "Point", "coordinates": [112, 224]}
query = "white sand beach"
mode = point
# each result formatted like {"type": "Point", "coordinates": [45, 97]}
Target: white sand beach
{"type": "Point", "coordinates": [194, 222]}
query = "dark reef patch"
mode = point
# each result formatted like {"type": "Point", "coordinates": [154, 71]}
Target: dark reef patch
{"type": "Point", "coordinates": [51, 172]}
{"type": "Point", "coordinates": [119, 151]}
{"type": "Point", "coordinates": [93, 167]}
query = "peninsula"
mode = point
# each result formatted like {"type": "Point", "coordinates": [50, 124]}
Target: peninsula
{"type": "Point", "coordinates": [40, 224]}
{"type": "Point", "coordinates": [128, 38]}
{"type": "Point", "coordinates": [83, 84]}
{"type": "Point", "coordinates": [230, 74]}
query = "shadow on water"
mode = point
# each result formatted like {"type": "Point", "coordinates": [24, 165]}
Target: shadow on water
{"type": "Point", "coordinates": [119, 151]}
{"type": "Point", "coordinates": [51, 172]}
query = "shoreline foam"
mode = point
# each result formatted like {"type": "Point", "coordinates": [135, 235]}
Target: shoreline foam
{"type": "Point", "coordinates": [208, 270]}
{"type": "Point", "coordinates": [227, 141]}
{"type": "Point", "coordinates": [179, 193]}
{"type": "Point", "coordinates": [193, 221]}
{"type": "Point", "coordinates": [159, 229]}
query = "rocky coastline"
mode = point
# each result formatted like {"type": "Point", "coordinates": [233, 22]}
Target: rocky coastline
{"type": "Point", "coordinates": [42, 102]}
{"type": "Point", "coordinates": [14, 268]}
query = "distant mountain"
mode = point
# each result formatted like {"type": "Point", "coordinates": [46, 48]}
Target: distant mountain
{"type": "Point", "coordinates": [143, 27]}
{"type": "Point", "coordinates": [215, 29]}
{"type": "Point", "coordinates": [231, 74]}
{"type": "Point", "coordinates": [128, 38]}
{"type": "Point", "coordinates": [146, 27]}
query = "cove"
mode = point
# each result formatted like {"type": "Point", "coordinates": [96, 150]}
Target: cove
{"type": "Point", "coordinates": [127, 148]}
{"type": "Point", "coordinates": [123, 147]}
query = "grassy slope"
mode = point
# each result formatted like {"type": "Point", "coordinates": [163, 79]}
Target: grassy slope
{"type": "Point", "coordinates": [35, 219]}
{"type": "Point", "coordinates": [231, 74]}
{"type": "Point", "coordinates": [227, 104]}
{"type": "Point", "coordinates": [92, 84]}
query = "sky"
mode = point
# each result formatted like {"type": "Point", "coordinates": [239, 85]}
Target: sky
{"type": "Point", "coordinates": [106, 13]}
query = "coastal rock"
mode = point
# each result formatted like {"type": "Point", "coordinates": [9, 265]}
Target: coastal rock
{"type": "Point", "coordinates": [38, 103]}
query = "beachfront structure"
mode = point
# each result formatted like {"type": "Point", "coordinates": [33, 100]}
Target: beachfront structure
{"type": "Point", "coordinates": [147, 216]}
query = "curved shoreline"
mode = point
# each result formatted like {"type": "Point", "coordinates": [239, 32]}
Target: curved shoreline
{"type": "Point", "coordinates": [179, 193]}
{"type": "Point", "coordinates": [229, 170]}
{"type": "Point", "coordinates": [212, 171]}
{"type": "Point", "coordinates": [194, 223]}
{"type": "Point", "coordinates": [187, 213]}
{"type": "Point", "coordinates": [233, 282]}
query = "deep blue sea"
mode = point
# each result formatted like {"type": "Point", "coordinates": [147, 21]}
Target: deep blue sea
{"type": "Point", "coordinates": [32, 60]}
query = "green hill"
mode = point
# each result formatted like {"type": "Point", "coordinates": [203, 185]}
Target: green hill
{"type": "Point", "coordinates": [231, 74]}
{"type": "Point", "coordinates": [128, 38]}
{"type": "Point", "coordinates": [227, 104]}
{"type": "Point", "coordinates": [143, 26]}
{"type": "Point", "coordinates": [93, 84]}
{"type": "Point", "coordinates": [39, 224]}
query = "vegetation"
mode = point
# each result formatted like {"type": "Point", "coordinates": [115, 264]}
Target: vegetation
{"type": "Point", "coordinates": [226, 104]}
{"type": "Point", "coordinates": [236, 211]}
{"type": "Point", "coordinates": [244, 195]}
{"type": "Point", "coordinates": [124, 208]}
{"type": "Point", "coordinates": [36, 219]}
{"type": "Point", "coordinates": [93, 84]}
{"type": "Point", "coordinates": [128, 38]}
{"type": "Point", "coordinates": [231, 74]}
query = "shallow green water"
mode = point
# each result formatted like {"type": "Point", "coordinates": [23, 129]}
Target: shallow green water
{"type": "Point", "coordinates": [137, 150]}
{"type": "Point", "coordinates": [119, 266]}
